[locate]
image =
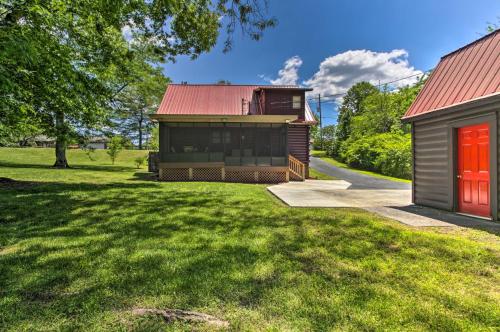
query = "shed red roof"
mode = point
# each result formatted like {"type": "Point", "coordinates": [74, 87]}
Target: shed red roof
{"type": "Point", "coordinates": [469, 73]}
{"type": "Point", "coordinates": [214, 99]}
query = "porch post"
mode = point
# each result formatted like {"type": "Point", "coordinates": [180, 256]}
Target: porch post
{"type": "Point", "coordinates": [286, 144]}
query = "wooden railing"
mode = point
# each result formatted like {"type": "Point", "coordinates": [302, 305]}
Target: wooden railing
{"type": "Point", "coordinates": [297, 168]}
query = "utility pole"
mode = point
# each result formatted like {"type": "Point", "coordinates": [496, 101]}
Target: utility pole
{"type": "Point", "coordinates": [320, 121]}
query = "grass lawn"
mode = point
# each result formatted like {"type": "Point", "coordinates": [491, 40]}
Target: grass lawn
{"type": "Point", "coordinates": [317, 175]}
{"type": "Point", "coordinates": [322, 155]}
{"type": "Point", "coordinates": [80, 248]}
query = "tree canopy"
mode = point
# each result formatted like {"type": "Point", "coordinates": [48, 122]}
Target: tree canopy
{"type": "Point", "coordinates": [63, 62]}
{"type": "Point", "coordinates": [370, 134]}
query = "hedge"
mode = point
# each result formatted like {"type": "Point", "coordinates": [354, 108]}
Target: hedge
{"type": "Point", "coordinates": [388, 154]}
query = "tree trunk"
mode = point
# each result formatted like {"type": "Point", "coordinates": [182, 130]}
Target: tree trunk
{"type": "Point", "coordinates": [61, 141]}
{"type": "Point", "coordinates": [141, 119]}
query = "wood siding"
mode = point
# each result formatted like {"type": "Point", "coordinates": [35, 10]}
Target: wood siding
{"type": "Point", "coordinates": [434, 156]}
{"type": "Point", "coordinates": [298, 142]}
{"type": "Point", "coordinates": [278, 102]}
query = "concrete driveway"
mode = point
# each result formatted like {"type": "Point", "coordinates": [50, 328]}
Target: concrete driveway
{"type": "Point", "coordinates": [391, 199]}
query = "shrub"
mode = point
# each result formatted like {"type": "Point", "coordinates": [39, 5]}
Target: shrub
{"type": "Point", "coordinates": [389, 154]}
{"type": "Point", "coordinates": [114, 148]}
{"type": "Point", "coordinates": [139, 161]}
{"type": "Point", "coordinates": [396, 160]}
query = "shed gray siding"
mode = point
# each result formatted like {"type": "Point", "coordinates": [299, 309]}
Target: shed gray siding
{"type": "Point", "coordinates": [434, 156]}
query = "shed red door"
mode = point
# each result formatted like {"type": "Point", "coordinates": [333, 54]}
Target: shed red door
{"type": "Point", "coordinates": [474, 170]}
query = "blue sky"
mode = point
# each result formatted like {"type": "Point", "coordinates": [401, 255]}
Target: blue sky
{"type": "Point", "coordinates": [351, 41]}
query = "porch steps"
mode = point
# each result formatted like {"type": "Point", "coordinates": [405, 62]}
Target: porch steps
{"type": "Point", "coordinates": [297, 169]}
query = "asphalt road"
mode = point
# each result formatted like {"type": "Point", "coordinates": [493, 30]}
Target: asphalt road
{"type": "Point", "coordinates": [357, 180]}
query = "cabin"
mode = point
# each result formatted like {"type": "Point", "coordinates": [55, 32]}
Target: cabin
{"type": "Point", "coordinates": [455, 127]}
{"type": "Point", "coordinates": [234, 133]}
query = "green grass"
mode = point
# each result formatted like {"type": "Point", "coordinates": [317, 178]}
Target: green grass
{"type": "Point", "coordinates": [317, 175]}
{"type": "Point", "coordinates": [81, 247]}
{"type": "Point", "coordinates": [323, 156]}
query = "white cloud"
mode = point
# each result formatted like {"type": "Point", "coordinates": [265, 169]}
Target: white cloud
{"type": "Point", "coordinates": [289, 74]}
{"type": "Point", "coordinates": [338, 73]}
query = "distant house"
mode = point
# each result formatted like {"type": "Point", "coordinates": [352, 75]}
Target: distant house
{"type": "Point", "coordinates": [240, 133]}
{"type": "Point", "coordinates": [455, 126]}
{"type": "Point", "coordinates": [42, 141]}
{"type": "Point", "coordinates": [98, 142]}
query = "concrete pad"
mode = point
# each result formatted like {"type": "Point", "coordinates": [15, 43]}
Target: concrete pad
{"type": "Point", "coordinates": [391, 203]}
{"type": "Point", "coordinates": [335, 193]}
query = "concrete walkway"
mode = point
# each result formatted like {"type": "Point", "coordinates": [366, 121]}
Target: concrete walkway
{"type": "Point", "coordinates": [387, 198]}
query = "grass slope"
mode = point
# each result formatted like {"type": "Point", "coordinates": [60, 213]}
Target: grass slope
{"type": "Point", "coordinates": [323, 156]}
{"type": "Point", "coordinates": [317, 175]}
{"type": "Point", "coordinates": [80, 248]}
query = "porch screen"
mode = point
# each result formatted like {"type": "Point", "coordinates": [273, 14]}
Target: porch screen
{"type": "Point", "coordinates": [235, 144]}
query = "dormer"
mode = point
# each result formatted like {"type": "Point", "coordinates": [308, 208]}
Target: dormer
{"type": "Point", "coordinates": [277, 100]}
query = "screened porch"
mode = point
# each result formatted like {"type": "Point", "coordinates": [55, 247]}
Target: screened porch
{"type": "Point", "coordinates": [234, 144]}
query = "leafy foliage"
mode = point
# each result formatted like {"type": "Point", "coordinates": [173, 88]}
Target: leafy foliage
{"type": "Point", "coordinates": [323, 139]}
{"type": "Point", "coordinates": [387, 153]}
{"type": "Point", "coordinates": [115, 146]}
{"type": "Point", "coordinates": [353, 104]}
{"type": "Point", "coordinates": [139, 161]}
{"type": "Point", "coordinates": [154, 142]}
{"type": "Point", "coordinates": [136, 102]}
{"type": "Point", "coordinates": [63, 62]}
{"type": "Point", "coordinates": [370, 134]}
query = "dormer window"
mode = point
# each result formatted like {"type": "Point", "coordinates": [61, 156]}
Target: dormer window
{"type": "Point", "coordinates": [296, 102]}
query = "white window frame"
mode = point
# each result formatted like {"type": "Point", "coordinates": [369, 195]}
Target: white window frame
{"type": "Point", "coordinates": [296, 102]}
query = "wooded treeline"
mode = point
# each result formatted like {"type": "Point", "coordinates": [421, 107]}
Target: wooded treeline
{"type": "Point", "coordinates": [369, 133]}
{"type": "Point", "coordinates": [71, 69]}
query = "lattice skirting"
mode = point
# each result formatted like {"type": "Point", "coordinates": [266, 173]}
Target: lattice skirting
{"type": "Point", "coordinates": [174, 174]}
{"type": "Point", "coordinates": [223, 174]}
{"type": "Point", "coordinates": [207, 174]}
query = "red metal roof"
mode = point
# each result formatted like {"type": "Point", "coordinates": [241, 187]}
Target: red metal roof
{"type": "Point", "coordinates": [467, 74]}
{"type": "Point", "coordinates": [205, 99]}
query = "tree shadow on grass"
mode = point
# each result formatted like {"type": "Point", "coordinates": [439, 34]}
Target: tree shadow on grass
{"type": "Point", "coordinates": [81, 251]}
{"type": "Point", "coordinates": [144, 176]}
{"type": "Point", "coordinates": [76, 166]}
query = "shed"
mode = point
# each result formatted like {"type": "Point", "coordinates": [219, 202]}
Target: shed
{"type": "Point", "coordinates": [455, 124]}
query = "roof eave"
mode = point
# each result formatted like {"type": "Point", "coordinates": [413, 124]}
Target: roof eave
{"type": "Point", "coordinates": [283, 88]}
{"type": "Point", "coordinates": [223, 118]}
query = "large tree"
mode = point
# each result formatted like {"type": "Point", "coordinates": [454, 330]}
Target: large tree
{"type": "Point", "coordinates": [63, 62]}
{"type": "Point", "coordinates": [352, 104]}
{"type": "Point", "coordinates": [136, 102]}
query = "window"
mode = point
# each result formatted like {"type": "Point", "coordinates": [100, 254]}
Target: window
{"type": "Point", "coordinates": [296, 102]}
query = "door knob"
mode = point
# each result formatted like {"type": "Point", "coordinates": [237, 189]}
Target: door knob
{"type": "Point", "coordinates": [459, 176]}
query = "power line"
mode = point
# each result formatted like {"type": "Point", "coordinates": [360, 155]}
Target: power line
{"type": "Point", "coordinates": [340, 94]}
